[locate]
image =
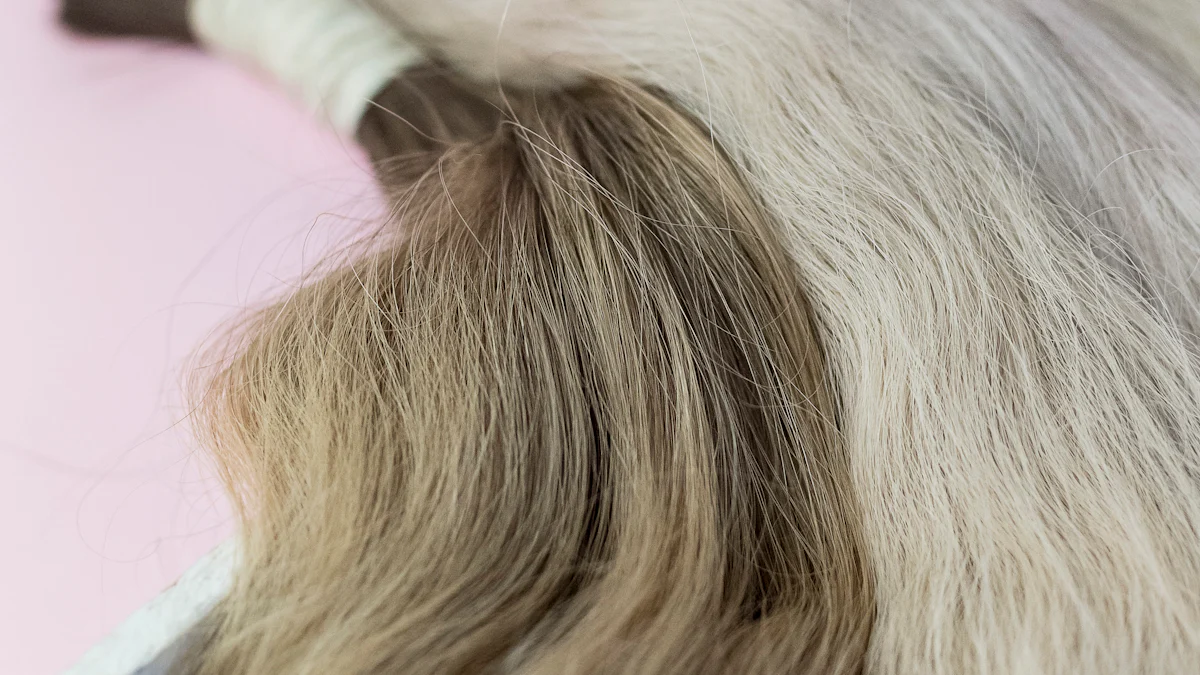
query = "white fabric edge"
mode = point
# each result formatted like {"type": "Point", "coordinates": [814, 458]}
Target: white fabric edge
{"type": "Point", "coordinates": [157, 625]}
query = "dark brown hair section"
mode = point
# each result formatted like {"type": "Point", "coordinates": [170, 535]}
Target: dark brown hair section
{"type": "Point", "coordinates": [428, 109]}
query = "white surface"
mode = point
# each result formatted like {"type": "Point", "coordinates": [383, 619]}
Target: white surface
{"type": "Point", "coordinates": [159, 624]}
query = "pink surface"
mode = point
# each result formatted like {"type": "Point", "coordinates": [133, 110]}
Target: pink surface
{"type": "Point", "coordinates": [146, 194]}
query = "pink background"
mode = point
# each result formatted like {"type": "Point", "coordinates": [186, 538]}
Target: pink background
{"type": "Point", "coordinates": [146, 194]}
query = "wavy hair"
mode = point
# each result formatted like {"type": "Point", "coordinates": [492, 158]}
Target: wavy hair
{"type": "Point", "coordinates": [564, 412]}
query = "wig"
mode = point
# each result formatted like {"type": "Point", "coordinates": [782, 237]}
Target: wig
{"type": "Point", "coordinates": [739, 336]}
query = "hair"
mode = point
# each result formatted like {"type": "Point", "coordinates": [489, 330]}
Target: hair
{"type": "Point", "coordinates": [994, 208]}
{"type": "Point", "coordinates": [895, 351]}
{"type": "Point", "coordinates": [565, 413]}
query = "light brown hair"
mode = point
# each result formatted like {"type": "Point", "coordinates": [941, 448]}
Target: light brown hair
{"type": "Point", "coordinates": [564, 412]}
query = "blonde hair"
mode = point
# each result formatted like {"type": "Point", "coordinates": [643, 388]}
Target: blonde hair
{"type": "Point", "coordinates": [566, 412]}
{"type": "Point", "coordinates": [992, 207]}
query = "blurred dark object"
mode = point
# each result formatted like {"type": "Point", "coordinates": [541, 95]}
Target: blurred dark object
{"type": "Point", "coordinates": [158, 19]}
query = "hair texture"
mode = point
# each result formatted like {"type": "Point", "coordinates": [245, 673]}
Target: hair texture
{"type": "Point", "coordinates": [565, 412]}
{"type": "Point", "coordinates": [994, 207]}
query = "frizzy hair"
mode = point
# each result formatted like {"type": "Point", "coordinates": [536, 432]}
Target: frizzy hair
{"type": "Point", "coordinates": [564, 412]}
